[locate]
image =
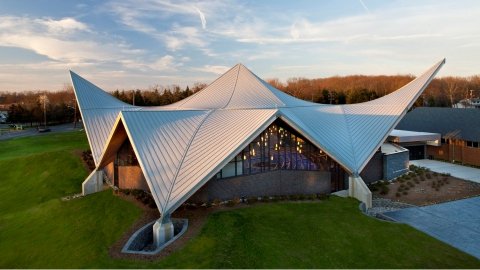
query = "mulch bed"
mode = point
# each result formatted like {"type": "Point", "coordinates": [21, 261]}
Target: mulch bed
{"type": "Point", "coordinates": [425, 190]}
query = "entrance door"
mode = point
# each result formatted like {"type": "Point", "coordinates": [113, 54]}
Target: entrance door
{"type": "Point", "coordinates": [416, 152]}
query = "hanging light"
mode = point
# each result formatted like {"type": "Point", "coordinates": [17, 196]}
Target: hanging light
{"type": "Point", "coordinates": [244, 157]}
{"type": "Point", "coordinates": [271, 158]}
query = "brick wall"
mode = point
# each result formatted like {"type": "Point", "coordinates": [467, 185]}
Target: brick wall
{"type": "Point", "coordinates": [273, 183]}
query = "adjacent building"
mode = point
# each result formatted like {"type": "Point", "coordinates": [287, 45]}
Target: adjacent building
{"type": "Point", "coordinates": [459, 130]}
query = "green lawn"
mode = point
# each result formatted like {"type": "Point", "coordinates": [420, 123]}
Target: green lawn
{"type": "Point", "coordinates": [38, 230]}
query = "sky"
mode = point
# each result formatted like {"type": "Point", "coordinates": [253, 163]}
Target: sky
{"type": "Point", "coordinates": [138, 44]}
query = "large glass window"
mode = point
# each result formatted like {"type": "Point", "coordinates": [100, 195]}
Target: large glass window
{"type": "Point", "coordinates": [126, 156]}
{"type": "Point", "coordinates": [277, 148]}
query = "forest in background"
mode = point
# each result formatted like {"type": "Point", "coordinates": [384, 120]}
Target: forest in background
{"type": "Point", "coordinates": [27, 106]}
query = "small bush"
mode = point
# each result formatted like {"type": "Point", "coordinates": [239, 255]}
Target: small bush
{"type": "Point", "coordinates": [251, 200]}
{"type": "Point", "coordinates": [428, 175]}
{"type": "Point", "coordinates": [384, 190]}
{"type": "Point", "coordinates": [398, 194]}
{"type": "Point", "coordinates": [405, 193]}
{"type": "Point", "coordinates": [410, 184]}
{"type": "Point", "coordinates": [322, 196]}
{"type": "Point", "coordinates": [422, 178]}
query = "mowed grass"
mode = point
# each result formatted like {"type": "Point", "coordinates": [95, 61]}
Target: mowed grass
{"type": "Point", "coordinates": [38, 230]}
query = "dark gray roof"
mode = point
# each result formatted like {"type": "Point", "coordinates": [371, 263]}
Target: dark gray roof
{"type": "Point", "coordinates": [465, 123]}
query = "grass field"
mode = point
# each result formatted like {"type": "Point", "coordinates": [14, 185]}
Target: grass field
{"type": "Point", "coordinates": [38, 230]}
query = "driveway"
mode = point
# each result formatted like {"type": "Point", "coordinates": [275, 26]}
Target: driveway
{"type": "Point", "coordinates": [456, 223]}
{"type": "Point", "coordinates": [459, 171]}
{"type": "Point", "coordinates": [34, 132]}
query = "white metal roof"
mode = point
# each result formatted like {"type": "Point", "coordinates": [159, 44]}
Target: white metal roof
{"type": "Point", "coordinates": [400, 136]}
{"type": "Point", "coordinates": [182, 145]}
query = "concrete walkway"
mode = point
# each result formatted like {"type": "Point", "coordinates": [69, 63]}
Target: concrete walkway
{"type": "Point", "coordinates": [459, 171]}
{"type": "Point", "coordinates": [456, 223]}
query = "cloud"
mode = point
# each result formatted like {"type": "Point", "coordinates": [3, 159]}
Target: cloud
{"type": "Point", "coordinates": [364, 6]}
{"type": "Point", "coordinates": [65, 25]}
{"type": "Point", "coordinates": [66, 40]}
{"type": "Point", "coordinates": [180, 27]}
{"type": "Point", "coordinates": [212, 69]}
{"type": "Point", "coordinates": [202, 18]}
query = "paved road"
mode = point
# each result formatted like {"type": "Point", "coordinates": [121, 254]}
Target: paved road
{"type": "Point", "coordinates": [456, 223]}
{"type": "Point", "coordinates": [462, 172]}
{"type": "Point", "coordinates": [34, 132]}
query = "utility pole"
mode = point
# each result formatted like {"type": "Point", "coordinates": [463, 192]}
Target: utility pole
{"type": "Point", "coordinates": [74, 113]}
{"type": "Point", "coordinates": [44, 99]}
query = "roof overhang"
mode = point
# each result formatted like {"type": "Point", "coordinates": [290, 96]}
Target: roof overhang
{"type": "Point", "coordinates": [407, 136]}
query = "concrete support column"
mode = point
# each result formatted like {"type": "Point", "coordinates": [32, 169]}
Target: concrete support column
{"type": "Point", "coordinates": [359, 190]}
{"type": "Point", "coordinates": [93, 183]}
{"type": "Point", "coordinates": [162, 231]}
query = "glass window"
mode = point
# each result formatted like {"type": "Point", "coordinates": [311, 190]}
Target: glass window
{"type": "Point", "coordinates": [277, 148]}
{"type": "Point", "coordinates": [475, 144]}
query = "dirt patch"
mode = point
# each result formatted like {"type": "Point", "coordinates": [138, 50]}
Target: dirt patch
{"type": "Point", "coordinates": [426, 188]}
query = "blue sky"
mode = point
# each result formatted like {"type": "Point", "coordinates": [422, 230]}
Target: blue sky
{"type": "Point", "coordinates": [136, 44]}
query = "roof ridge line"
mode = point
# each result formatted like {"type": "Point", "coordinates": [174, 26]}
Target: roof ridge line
{"type": "Point", "coordinates": [181, 161]}
{"type": "Point", "coordinates": [349, 137]}
{"type": "Point", "coordinates": [234, 87]}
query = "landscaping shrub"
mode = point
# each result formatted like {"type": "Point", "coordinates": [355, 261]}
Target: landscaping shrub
{"type": "Point", "coordinates": [384, 190]}
{"type": "Point", "coordinates": [398, 194]}
{"type": "Point", "coordinates": [428, 175]}
{"type": "Point", "coordinates": [251, 200]}
{"type": "Point", "coordinates": [405, 193]}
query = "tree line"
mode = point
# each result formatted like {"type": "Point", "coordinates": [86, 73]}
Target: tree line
{"type": "Point", "coordinates": [27, 107]}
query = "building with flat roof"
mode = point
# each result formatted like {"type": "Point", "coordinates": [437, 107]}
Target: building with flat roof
{"type": "Point", "coordinates": [237, 137]}
{"type": "Point", "coordinates": [459, 130]}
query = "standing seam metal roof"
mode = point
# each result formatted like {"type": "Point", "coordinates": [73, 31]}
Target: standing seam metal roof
{"type": "Point", "coordinates": [182, 145]}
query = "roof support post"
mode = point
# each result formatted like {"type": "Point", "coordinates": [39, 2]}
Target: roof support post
{"type": "Point", "coordinates": [162, 231]}
{"type": "Point", "coordinates": [359, 190]}
{"type": "Point", "coordinates": [93, 183]}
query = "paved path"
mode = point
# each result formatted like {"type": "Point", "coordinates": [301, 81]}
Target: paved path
{"type": "Point", "coordinates": [458, 171]}
{"type": "Point", "coordinates": [33, 131]}
{"type": "Point", "coordinates": [456, 223]}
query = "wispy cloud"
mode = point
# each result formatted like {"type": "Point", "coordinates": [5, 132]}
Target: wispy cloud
{"type": "Point", "coordinates": [364, 6]}
{"type": "Point", "coordinates": [202, 18]}
{"type": "Point", "coordinates": [141, 17]}
{"type": "Point", "coordinates": [212, 69]}
{"type": "Point", "coordinates": [61, 40]}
